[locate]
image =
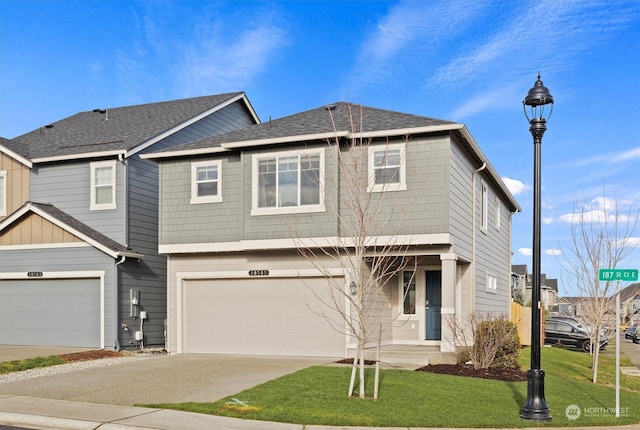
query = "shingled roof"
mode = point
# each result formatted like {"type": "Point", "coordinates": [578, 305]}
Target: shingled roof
{"type": "Point", "coordinates": [326, 122]}
{"type": "Point", "coordinates": [115, 129]}
{"type": "Point", "coordinates": [72, 225]}
{"type": "Point", "coordinates": [14, 151]}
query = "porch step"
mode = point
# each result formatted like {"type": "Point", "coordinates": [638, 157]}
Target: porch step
{"type": "Point", "coordinates": [411, 355]}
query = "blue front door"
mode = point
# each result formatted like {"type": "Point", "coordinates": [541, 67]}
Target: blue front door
{"type": "Point", "coordinates": [433, 304]}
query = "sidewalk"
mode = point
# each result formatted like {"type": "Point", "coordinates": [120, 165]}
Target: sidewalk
{"type": "Point", "coordinates": [53, 414]}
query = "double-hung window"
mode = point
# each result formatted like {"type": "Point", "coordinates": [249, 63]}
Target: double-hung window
{"type": "Point", "coordinates": [387, 168]}
{"type": "Point", "coordinates": [3, 192]}
{"type": "Point", "coordinates": [288, 182]}
{"type": "Point", "coordinates": [206, 182]}
{"type": "Point", "coordinates": [103, 185]}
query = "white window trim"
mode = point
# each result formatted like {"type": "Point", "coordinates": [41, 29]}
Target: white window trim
{"type": "Point", "coordinates": [3, 193]}
{"type": "Point", "coordinates": [257, 211]}
{"type": "Point", "coordinates": [484, 214]}
{"type": "Point", "coordinates": [401, 314]}
{"type": "Point", "coordinates": [105, 206]}
{"type": "Point", "coordinates": [195, 199]}
{"type": "Point", "coordinates": [372, 187]}
{"type": "Point", "coordinates": [491, 283]}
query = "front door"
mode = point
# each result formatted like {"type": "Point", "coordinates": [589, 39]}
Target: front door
{"type": "Point", "coordinates": [433, 304]}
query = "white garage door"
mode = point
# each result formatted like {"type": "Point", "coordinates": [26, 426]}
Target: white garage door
{"type": "Point", "coordinates": [258, 316]}
{"type": "Point", "coordinates": [50, 312]}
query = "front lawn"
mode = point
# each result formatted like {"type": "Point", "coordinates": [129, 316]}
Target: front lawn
{"type": "Point", "coordinates": [317, 395]}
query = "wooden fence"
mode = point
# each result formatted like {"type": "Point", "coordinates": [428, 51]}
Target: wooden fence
{"type": "Point", "coordinates": [521, 316]}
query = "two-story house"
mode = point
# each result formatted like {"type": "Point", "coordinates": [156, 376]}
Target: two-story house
{"type": "Point", "coordinates": [235, 210]}
{"type": "Point", "coordinates": [79, 261]}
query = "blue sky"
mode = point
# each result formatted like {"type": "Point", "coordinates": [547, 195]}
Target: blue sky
{"type": "Point", "coordinates": [470, 61]}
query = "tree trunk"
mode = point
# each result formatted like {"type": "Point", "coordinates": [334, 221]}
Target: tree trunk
{"type": "Point", "coordinates": [361, 348]}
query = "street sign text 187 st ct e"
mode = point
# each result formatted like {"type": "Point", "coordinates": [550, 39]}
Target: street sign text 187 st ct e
{"type": "Point", "coordinates": [625, 275]}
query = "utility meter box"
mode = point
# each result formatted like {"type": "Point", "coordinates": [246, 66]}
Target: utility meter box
{"type": "Point", "coordinates": [139, 335]}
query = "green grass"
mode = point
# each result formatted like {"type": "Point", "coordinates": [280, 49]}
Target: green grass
{"type": "Point", "coordinates": [29, 363]}
{"type": "Point", "coordinates": [317, 395]}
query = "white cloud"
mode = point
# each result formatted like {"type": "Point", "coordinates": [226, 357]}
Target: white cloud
{"type": "Point", "coordinates": [602, 210]}
{"type": "Point", "coordinates": [633, 242]}
{"type": "Point", "coordinates": [516, 186]}
{"type": "Point", "coordinates": [553, 252]}
{"type": "Point", "coordinates": [214, 61]}
{"type": "Point", "coordinates": [525, 251]}
{"type": "Point", "coordinates": [547, 221]}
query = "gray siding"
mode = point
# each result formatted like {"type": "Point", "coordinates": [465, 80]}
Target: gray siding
{"type": "Point", "coordinates": [461, 172]}
{"type": "Point", "coordinates": [68, 187]}
{"type": "Point", "coordinates": [67, 260]}
{"type": "Point", "coordinates": [149, 276]}
{"type": "Point", "coordinates": [422, 209]}
{"type": "Point", "coordinates": [493, 254]}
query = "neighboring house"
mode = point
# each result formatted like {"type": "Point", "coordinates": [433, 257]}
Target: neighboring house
{"type": "Point", "coordinates": [14, 177]}
{"type": "Point", "coordinates": [548, 291]}
{"type": "Point", "coordinates": [567, 306]}
{"type": "Point", "coordinates": [235, 207]}
{"type": "Point", "coordinates": [630, 304]}
{"type": "Point", "coordinates": [519, 277]}
{"type": "Point", "coordinates": [79, 264]}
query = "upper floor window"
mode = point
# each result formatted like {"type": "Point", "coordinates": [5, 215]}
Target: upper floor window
{"type": "Point", "coordinates": [3, 192]}
{"type": "Point", "coordinates": [103, 185]}
{"type": "Point", "coordinates": [498, 213]}
{"type": "Point", "coordinates": [206, 182]}
{"type": "Point", "coordinates": [290, 182]}
{"type": "Point", "coordinates": [485, 206]}
{"type": "Point", "coordinates": [387, 168]}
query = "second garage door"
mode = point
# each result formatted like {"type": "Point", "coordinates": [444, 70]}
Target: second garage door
{"type": "Point", "coordinates": [50, 312]}
{"type": "Point", "coordinates": [258, 316]}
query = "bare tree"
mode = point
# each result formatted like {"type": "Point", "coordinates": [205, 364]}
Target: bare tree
{"type": "Point", "coordinates": [601, 238]}
{"type": "Point", "coordinates": [367, 246]}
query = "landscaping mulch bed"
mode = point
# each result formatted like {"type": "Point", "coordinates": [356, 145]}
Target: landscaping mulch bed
{"type": "Point", "coordinates": [92, 355]}
{"type": "Point", "coordinates": [502, 374]}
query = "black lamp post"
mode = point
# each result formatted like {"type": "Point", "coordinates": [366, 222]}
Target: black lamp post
{"type": "Point", "coordinates": [536, 407]}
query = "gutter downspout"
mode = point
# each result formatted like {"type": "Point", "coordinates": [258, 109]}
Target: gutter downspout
{"type": "Point", "coordinates": [473, 235]}
{"type": "Point", "coordinates": [116, 314]}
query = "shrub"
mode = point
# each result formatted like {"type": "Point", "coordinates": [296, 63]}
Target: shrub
{"type": "Point", "coordinates": [487, 341]}
{"type": "Point", "coordinates": [500, 336]}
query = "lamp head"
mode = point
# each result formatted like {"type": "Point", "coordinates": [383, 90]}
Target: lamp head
{"type": "Point", "coordinates": [537, 98]}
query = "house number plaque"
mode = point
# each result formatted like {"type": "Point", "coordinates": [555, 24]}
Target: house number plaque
{"type": "Point", "coordinates": [34, 274]}
{"type": "Point", "coordinates": [258, 273]}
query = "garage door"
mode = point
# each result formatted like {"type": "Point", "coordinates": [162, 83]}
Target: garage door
{"type": "Point", "coordinates": [258, 316]}
{"type": "Point", "coordinates": [50, 312]}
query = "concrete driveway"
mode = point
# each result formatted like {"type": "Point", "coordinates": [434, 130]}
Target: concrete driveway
{"type": "Point", "coordinates": [161, 379]}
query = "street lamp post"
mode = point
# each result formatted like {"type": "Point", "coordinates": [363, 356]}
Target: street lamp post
{"type": "Point", "coordinates": [536, 407]}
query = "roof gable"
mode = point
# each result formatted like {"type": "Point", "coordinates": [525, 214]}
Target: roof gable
{"type": "Point", "coordinates": [66, 228]}
{"type": "Point", "coordinates": [14, 151]}
{"type": "Point", "coordinates": [119, 130]}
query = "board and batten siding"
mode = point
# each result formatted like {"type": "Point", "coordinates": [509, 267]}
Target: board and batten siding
{"type": "Point", "coordinates": [17, 175]}
{"type": "Point", "coordinates": [74, 259]}
{"type": "Point", "coordinates": [67, 186]}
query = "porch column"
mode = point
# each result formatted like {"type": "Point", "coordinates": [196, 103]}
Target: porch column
{"type": "Point", "coordinates": [448, 311]}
